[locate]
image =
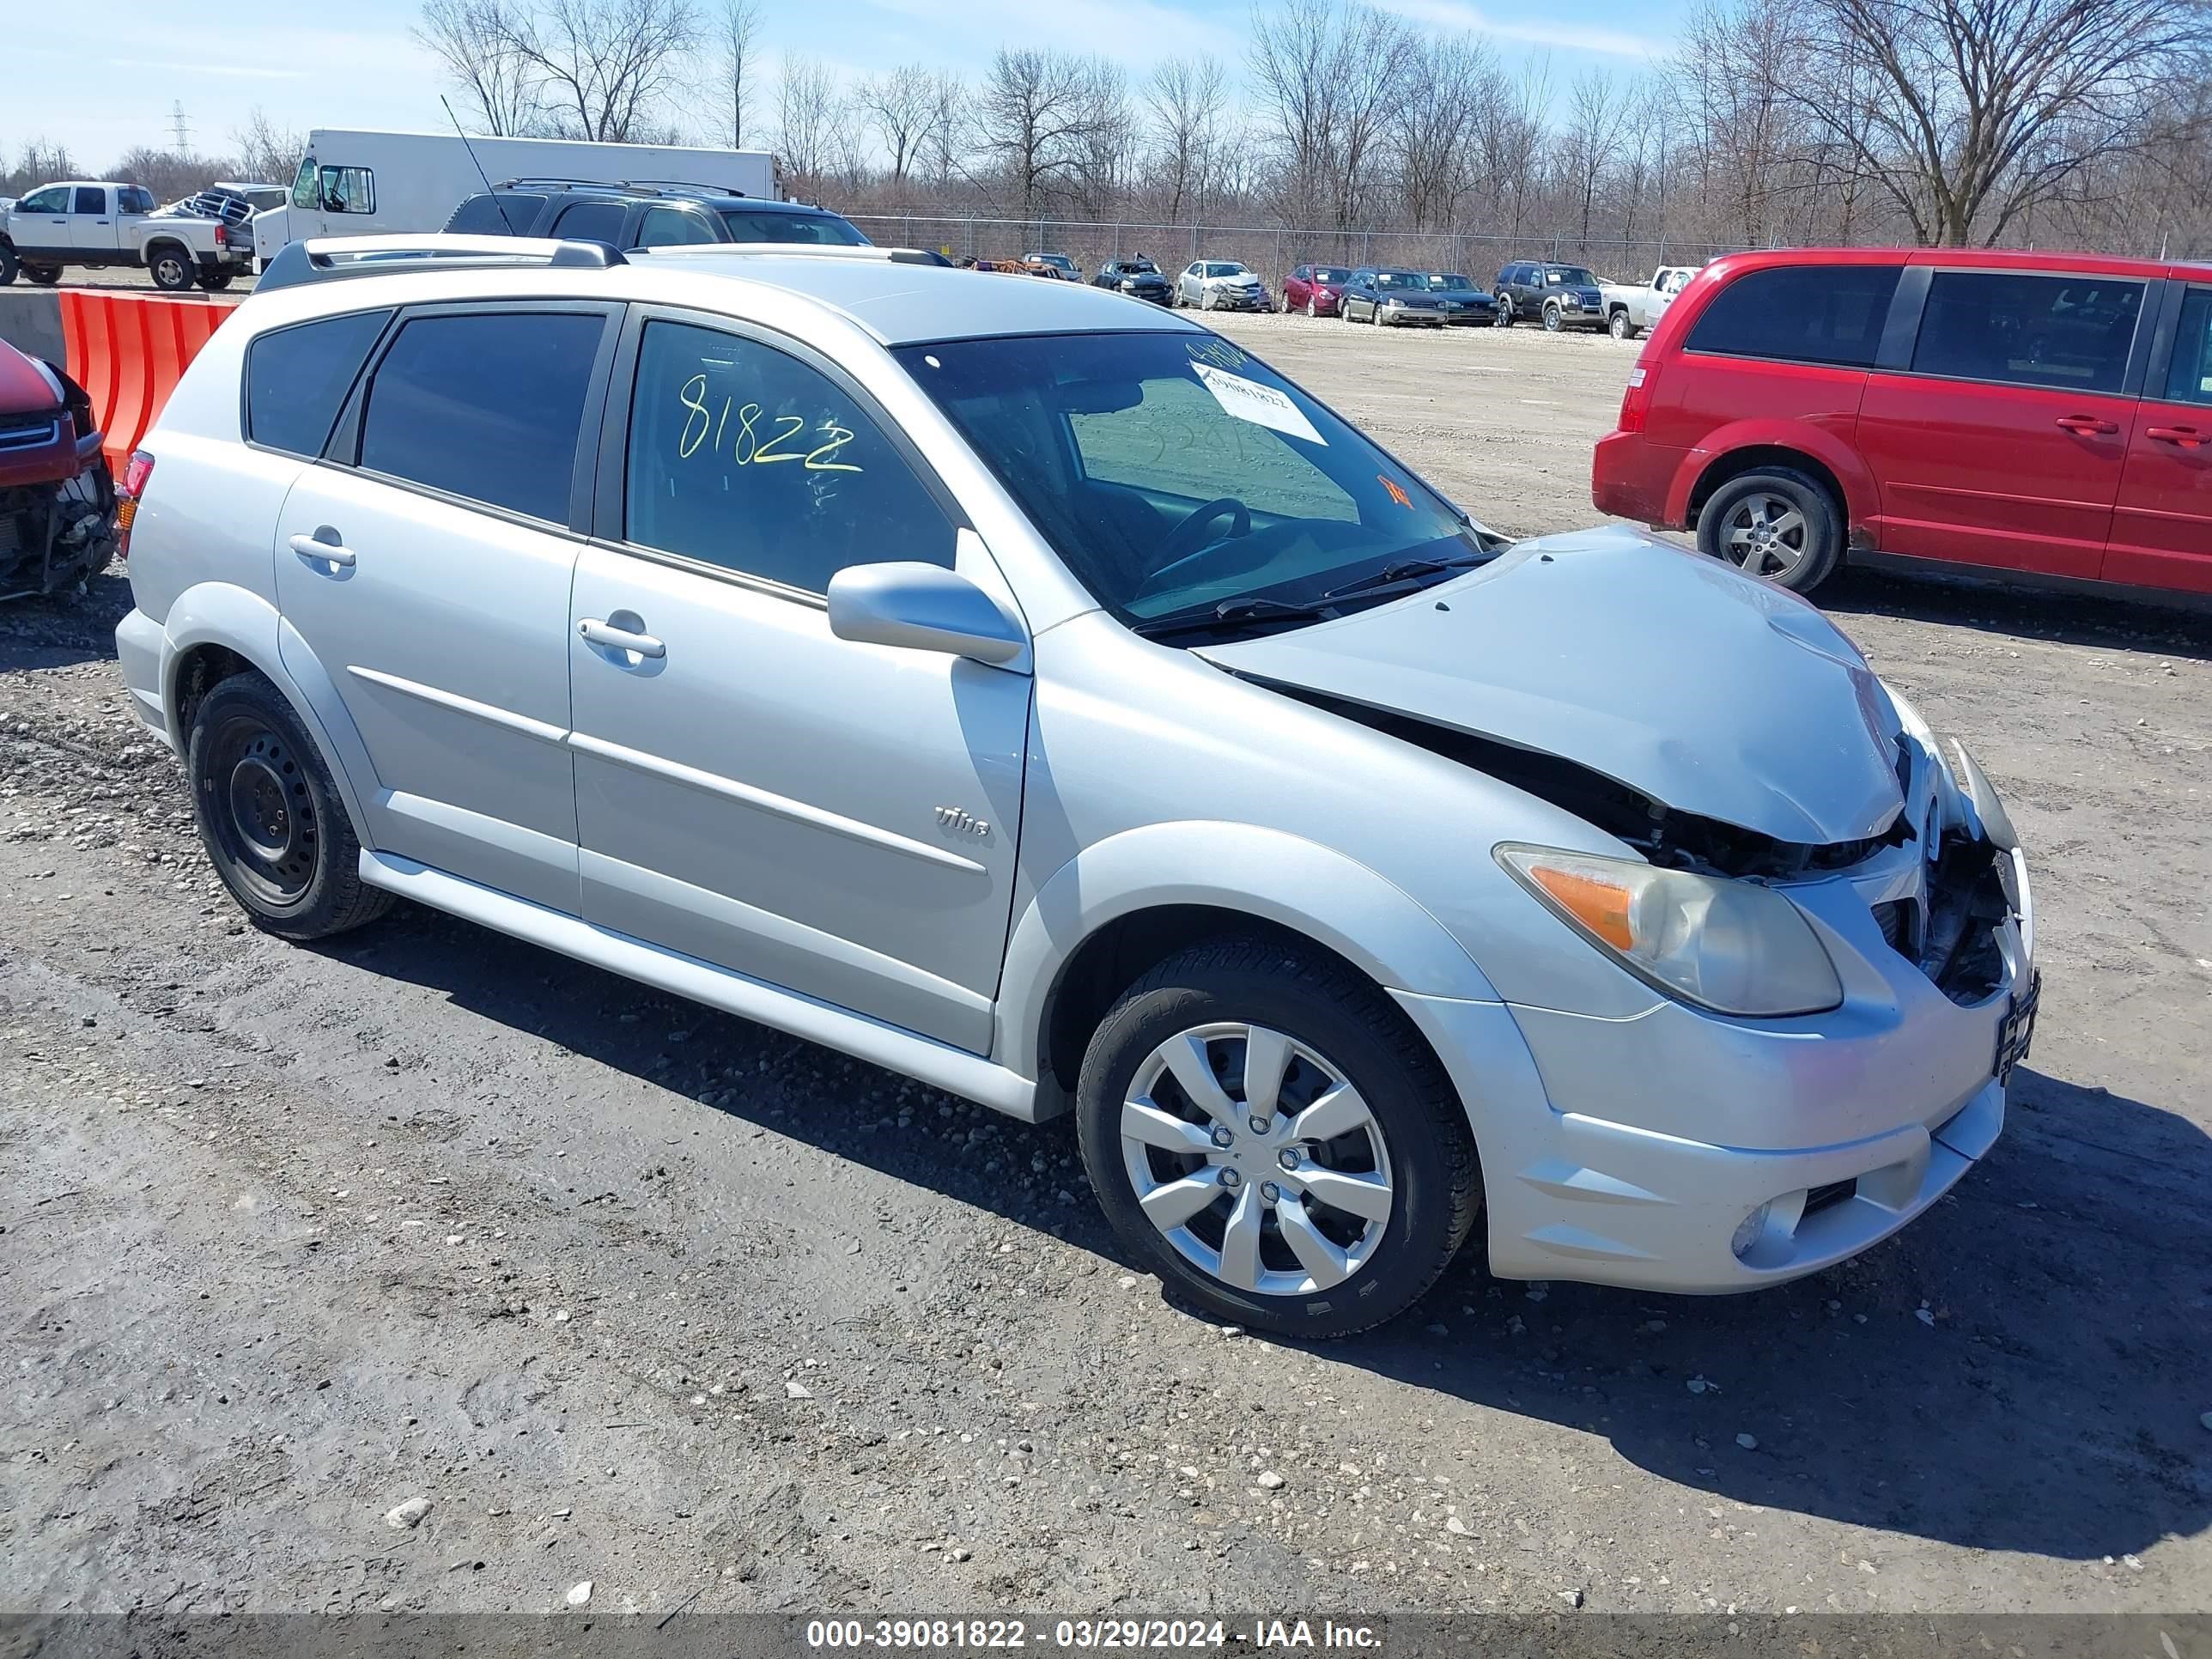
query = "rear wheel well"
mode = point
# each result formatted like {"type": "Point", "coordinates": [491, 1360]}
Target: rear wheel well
{"type": "Point", "coordinates": [1737, 462]}
{"type": "Point", "coordinates": [202, 669]}
{"type": "Point", "coordinates": [1121, 952]}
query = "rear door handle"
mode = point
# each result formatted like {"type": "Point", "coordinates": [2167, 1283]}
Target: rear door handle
{"type": "Point", "coordinates": [620, 639]}
{"type": "Point", "coordinates": [323, 547]}
{"type": "Point", "coordinates": [2089, 425]}
{"type": "Point", "coordinates": [2187, 436]}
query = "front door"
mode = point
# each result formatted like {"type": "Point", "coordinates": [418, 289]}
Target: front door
{"type": "Point", "coordinates": [835, 818]}
{"type": "Point", "coordinates": [2162, 526]}
{"type": "Point", "coordinates": [427, 568]}
{"type": "Point", "coordinates": [2003, 445]}
{"type": "Point", "coordinates": [39, 223]}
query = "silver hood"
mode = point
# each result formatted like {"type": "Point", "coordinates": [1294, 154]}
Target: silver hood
{"type": "Point", "coordinates": [1689, 681]}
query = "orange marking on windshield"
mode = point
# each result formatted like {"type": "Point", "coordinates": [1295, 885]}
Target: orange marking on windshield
{"type": "Point", "coordinates": [1397, 490]}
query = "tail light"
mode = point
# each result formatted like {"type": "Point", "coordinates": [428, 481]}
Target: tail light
{"type": "Point", "coordinates": [222, 235]}
{"type": "Point", "coordinates": [138, 472]}
{"type": "Point", "coordinates": [1636, 402]}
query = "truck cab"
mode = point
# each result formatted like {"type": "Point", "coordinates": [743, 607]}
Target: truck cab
{"type": "Point", "coordinates": [73, 223]}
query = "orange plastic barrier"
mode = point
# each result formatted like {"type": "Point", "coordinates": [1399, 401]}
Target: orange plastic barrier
{"type": "Point", "coordinates": [128, 350]}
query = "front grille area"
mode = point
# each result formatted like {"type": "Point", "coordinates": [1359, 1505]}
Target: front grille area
{"type": "Point", "coordinates": [1827, 1197]}
{"type": "Point", "coordinates": [28, 431]}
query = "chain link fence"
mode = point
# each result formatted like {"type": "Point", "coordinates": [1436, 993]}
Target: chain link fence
{"type": "Point", "coordinates": [1273, 253]}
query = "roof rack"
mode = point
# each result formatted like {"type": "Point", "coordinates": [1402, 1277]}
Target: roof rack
{"type": "Point", "coordinates": [636, 186]}
{"type": "Point", "coordinates": [327, 257]}
{"type": "Point", "coordinates": [896, 256]}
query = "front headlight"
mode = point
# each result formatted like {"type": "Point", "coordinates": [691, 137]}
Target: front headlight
{"type": "Point", "coordinates": [1733, 946]}
{"type": "Point", "coordinates": [1393, 304]}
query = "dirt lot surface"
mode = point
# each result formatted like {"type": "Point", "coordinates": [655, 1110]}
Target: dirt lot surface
{"type": "Point", "coordinates": [629, 1292]}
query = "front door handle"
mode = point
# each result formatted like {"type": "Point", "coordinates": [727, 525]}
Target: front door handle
{"type": "Point", "coordinates": [2088, 426]}
{"type": "Point", "coordinates": [323, 547]}
{"type": "Point", "coordinates": [2188, 437]}
{"type": "Point", "coordinates": [620, 639]}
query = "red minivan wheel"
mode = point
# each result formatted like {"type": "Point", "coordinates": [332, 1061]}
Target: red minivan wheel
{"type": "Point", "coordinates": [1776, 523]}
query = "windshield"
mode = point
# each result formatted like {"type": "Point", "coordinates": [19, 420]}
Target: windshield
{"type": "Point", "coordinates": [1573, 275]}
{"type": "Point", "coordinates": [1451, 281]}
{"type": "Point", "coordinates": [1176, 473]}
{"type": "Point", "coordinates": [748, 225]}
{"type": "Point", "coordinates": [1224, 269]}
{"type": "Point", "coordinates": [1331, 274]}
{"type": "Point", "coordinates": [1400, 279]}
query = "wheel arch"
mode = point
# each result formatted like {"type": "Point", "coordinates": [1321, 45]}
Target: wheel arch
{"type": "Point", "coordinates": [1732, 452]}
{"type": "Point", "coordinates": [218, 629]}
{"type": "Point", "coordinates": [1129, 902]}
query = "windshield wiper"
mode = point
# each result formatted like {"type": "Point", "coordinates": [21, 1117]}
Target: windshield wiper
{"type": "Point", "coordinates": [1230, 612]}
{"type": "Point", "coordinates": [1405, 571]}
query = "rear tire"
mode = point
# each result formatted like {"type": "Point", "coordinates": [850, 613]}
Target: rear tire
{"type": "Point", "coordinates": [270, 817]}
{"type": "Point", "coordinates": [215, 281]}
{"type": "Point", "coordinates": [172, 267]}
{"type": "Point", "coordinates": [1748, 523]}
{"type": "Point", "coordinates": [1394, 1143]}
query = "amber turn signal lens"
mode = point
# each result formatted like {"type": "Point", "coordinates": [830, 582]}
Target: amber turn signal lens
{"type": "Point", "coordinates": [1600, 906]}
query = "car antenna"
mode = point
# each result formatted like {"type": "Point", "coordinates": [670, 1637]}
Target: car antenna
{"type": "Point", "coordinates": [479, 165]}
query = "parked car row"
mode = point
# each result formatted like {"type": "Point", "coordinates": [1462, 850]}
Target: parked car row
{"type": "Point", "coordinates": [1558, 296]}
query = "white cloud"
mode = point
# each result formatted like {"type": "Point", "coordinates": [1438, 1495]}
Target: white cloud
{"type": "Point", "coordinates": [1565, 37]}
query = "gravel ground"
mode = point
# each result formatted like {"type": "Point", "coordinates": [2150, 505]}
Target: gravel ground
{"type": "Point", "coordinates": [428, 1271]}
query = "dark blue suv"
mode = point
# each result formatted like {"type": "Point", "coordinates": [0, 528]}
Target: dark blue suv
{"type": "Point", "coordinates": [652, 214]}
{"type": "Point", "coordinates": [1561, 296]}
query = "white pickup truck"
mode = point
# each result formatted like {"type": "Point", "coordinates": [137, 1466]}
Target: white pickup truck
{"type": "Point", "coordinates": [82, 223]}
{"type": "Point", "coordinates": [1629, 310]}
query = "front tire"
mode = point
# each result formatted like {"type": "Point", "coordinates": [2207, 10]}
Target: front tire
{"type": "Point", "coordinates": [8, 266]}
{"type": "Point", "coordinates": [1503, 317]}
{"type": "Point", "coordinates": [270, 817]}
{"type": "Point", "coordinates": [1619, 326]}
{"type": "Point", "coordinates": [1554, 319]}
{"type": "Point", "coordinates": [1353, 1192]}
{"type": "Point", "coordinates": [1778, 523]}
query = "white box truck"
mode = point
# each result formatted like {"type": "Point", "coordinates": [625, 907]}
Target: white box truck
{"type": "Point", "coordinates": [362, 184]}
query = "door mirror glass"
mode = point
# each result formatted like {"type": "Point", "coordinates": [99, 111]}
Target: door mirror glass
{"type": "Point", "coordinates": [922, 607]}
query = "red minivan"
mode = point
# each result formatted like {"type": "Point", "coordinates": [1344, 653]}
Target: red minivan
{"type": "Point", "coordinates": [2037, 415]}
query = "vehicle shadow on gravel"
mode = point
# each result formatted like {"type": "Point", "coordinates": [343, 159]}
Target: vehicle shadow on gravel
{"type": "Point", "coordinates": [2022, 1368]}
{"type": "Point", "coordinates": [2029, 613]}
{"type": "Point", "coordinates": [66, 628]}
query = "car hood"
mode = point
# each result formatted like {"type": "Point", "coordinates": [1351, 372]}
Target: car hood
{"type": "Point", "coordinates": [1705, 689]}
{"type": "Point", "coordinates": [24, 387]}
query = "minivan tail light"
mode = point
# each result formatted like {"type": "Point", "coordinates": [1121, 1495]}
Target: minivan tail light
{"type": "Point", "coordinates": [1636, 402]}
{"type": "Point", "coordinates": [137, 473]}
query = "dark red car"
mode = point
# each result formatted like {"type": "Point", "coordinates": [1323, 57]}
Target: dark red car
{"type": "Point", "coordinates": [2022, 415]}
{"type": "Point", "coordinates": [57, 499]}
{"type": "Point", "coordinates": [1317, 290]}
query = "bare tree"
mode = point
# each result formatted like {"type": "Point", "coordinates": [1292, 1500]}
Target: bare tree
{"type": "Point", "coordinates": [806, 119]}
{"type": "Point", "coordinates": [1185, 99]}
{"type": "Point", "coordinates": [1733, 70]}
{"type": "Point", "coordinates": [901, 108]}
{"type": "Point", "coordinates": [940, 143]}
{"type": "Point", "coordinates": [1975, 110]}
{"type": "Point", "coordinates": [1596, 112]}
{"type": "Point", "coordinates": [1448, 83]}
{"type": "Point", "coordinates": [736, 30]}
{"type": "Point", "coordinates": [1295, 87]}
{"type": "Point", "coordinates": [1037, 115]}
{"type": "Point", "coordinates": [267, 154]}
{"type": "Point", "coordinates": [606, 67]}
{"type": "Point", "coordinates": [473, 41]}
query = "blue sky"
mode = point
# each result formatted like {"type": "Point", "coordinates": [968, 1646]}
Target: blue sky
{"type": "Point", "coordinates": [356, 66]}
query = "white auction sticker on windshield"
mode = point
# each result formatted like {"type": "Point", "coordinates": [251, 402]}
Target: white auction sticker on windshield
{"type": "Point", "coordinates": [1262, 405]}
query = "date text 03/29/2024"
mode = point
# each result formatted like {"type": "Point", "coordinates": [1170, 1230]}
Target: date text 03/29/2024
{"type": "Point", "coordinates": [1086, 1635]}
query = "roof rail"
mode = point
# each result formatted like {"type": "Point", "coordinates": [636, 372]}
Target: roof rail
{"type": "Point", "coordinates": [686, 186]}
{"type": "Point", "coordinates": [896, 256]}
{"type": "Point", "coordinates": [327, 257]}
{"type": "Point", "coordinates": [636, 186]}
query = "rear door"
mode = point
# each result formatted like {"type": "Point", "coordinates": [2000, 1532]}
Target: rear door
{"type": "Point", "coordinates": [2162, 522]}
{"type": "Point", "coordinates": [426, 565]}
{"type": "Point", "coordinates": [2002, 444]}
{"type": "Point", "coordinates": [92, 223]}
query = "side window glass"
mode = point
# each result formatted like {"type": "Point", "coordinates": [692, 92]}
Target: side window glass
{"type": "Point", "coordinates": [296, 380]}
{"type": "Point", "coordinates": [485, 405]}
{"type": "Point", "coordinates": [349, 189]}
{"type": "Point", "coordinates": [91, 199]}
{"type": "Point", "coordinates": [304, 193]}
{"type": "Point", "coordinates": [744, 456]}
{"type": "Point", "coordinates": [2024, 330]}
{"type": "Point", "coordinates": [2189, 378]}
{"type": "Point", "coordinates": [1801, 314]}
{"type": "Point", "coordinates": [590, 221]}
{"type": "Point", "coordinates": [673, 227]}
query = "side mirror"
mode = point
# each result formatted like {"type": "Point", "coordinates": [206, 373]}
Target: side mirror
{"type": "Point", "coordinates": [922, 607]}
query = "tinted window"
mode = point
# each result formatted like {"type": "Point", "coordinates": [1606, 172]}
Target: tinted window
{"type": "Point", "coordinates": [508, 213]}
{"type": "Point", "coordinates": [592, 221]}
{"type": "Point", "coordinates": [1799, 314]}
{"type": "Point", "coordinates": [2190, 379]}
{"type": "Point", "coordinates": [2072, 332]}
{"type": "Point", "coordinates": [744, 456]}
{"type": "Point", "coordinates": [673, 227]}
{"type": "Point", "coordinates": [297, 377]}
{"type": "Point", "coordinates": [133, 199]}
{"type": "Point", "coordinates": [485, 406]}
{"type": "Point", "coordinates": [90, 198]}
{"type": "Point", "coordinates": [750, 225]}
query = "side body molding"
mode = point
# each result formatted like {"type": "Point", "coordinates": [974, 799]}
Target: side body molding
{"type": "Point", "coordinates": [1266, 873]}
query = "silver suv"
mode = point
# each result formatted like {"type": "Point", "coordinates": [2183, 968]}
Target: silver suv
{"type": "Point", "coordinates": [1032, 692]}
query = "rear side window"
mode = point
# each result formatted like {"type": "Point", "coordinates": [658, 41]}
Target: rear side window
{"type": "Point", "coordinates": [508, 213]}
{"type": "Point", "coordinates": [2190, 379]}
{"type": "Point", "coordinates": [486, 405]}
{"type": "Point", "coordinates": [592, 221]}
{"type": "Point", "coordinates": [1799, 314]}
{"type": "Point", "coordinates": [91, 198]}
{"type": "Point", "coordinates": [296, 380]}
{"type": "Point", "coordinates": [664, 226]}
{"type": "Point", "coordinates": [133, 198]}
{"type": "Point", "coordinates": [2024, 330]}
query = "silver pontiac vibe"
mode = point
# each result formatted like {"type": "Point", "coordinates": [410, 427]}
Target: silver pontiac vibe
{"type": "Point", "coordinates": [1031, 691]}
